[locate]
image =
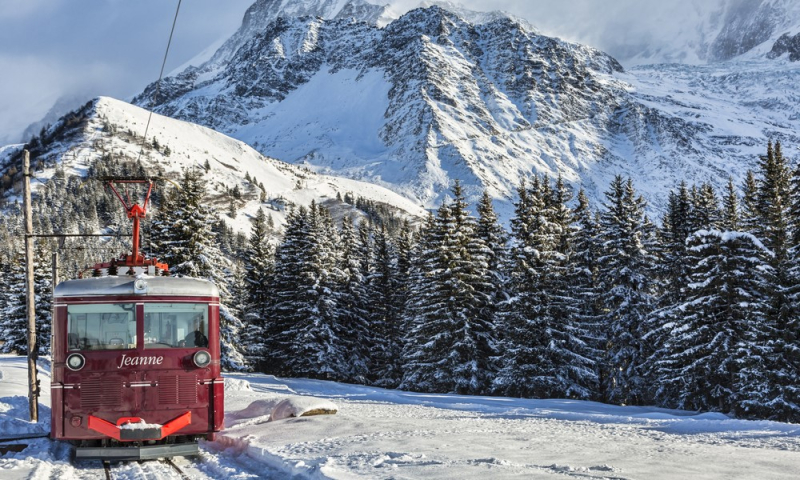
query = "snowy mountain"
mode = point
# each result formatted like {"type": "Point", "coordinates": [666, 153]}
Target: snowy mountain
{"type": "Point", "coordinates": [111, 127]}
{"type": "Point", "coordinates": [434, 97]}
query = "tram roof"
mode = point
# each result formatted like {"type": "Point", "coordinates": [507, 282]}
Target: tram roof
{"type": "Point", "coordinates": [125, 285]}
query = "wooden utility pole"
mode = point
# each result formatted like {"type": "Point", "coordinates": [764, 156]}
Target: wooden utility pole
{"type": "Point", "coordinates": [55, 283]}
{"type": "Point", "coordinates": [55, 271]}
{"type": "Point", "coordinates": [33, 382]}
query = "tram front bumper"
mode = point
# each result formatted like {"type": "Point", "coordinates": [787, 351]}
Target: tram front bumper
{"type": "Point", "coordinates": [150, 452]}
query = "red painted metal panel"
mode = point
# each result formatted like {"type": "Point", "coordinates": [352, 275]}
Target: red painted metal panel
{"type": "Point", "coordinates": [219, 404]}
{"type": "Point", "coordinates": [59, 341]}
{"type": "Point", "coordinates": [56, 412]}
{"type": "Point", "coordinates": [139, 326]}
{"type": "Point", "coordinates": [58, 349]}
{"type": "Point", "coordinates": [176, 424]}
{"type": "Point", "coordinates": [106, 428]}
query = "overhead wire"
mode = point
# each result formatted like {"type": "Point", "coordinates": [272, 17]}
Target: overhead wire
{"type": "Point", "coordinates": [160, 76]}
{"type": "Point", "coordinates": [158, 83]}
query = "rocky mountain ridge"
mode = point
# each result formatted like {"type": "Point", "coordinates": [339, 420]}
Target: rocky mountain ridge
{"type": "Point", "coordinates": [432, 97]}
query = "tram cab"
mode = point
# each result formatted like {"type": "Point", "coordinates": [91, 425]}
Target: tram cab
{"type": "Point", "coordinates": [136, 361]}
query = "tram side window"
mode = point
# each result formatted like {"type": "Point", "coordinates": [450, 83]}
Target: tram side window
{"type": "Point", "coordinates": [175, 325]}
{"type": "Point", "coordinates": [107, 326]}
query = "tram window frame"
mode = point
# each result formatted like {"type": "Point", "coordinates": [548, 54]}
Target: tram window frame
{"type": "Point", "coordinates": [178, 319]}
{"type": "Point", "coordinates": [99, 316]}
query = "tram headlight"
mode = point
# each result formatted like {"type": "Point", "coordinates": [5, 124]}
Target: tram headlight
{"type": "Point", "coordinates": [139, 286]}
{"type": "Point", "coordinates": [202, 358]}
{"type": "Point", "coordinates": [75, 362]}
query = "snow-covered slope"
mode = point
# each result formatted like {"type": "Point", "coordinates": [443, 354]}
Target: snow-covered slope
{"type": "Point", "coordinates": [379, 433]}
{"type": "Point", "coordinates": [434, 97]}
{"type": "Point", "coordinates": [107, 126]}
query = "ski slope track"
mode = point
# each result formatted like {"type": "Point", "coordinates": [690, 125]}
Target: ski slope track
{"type": "Point", "coordinates": [385, 434]}
{"type": "Point", "coordinates": [439, 94]}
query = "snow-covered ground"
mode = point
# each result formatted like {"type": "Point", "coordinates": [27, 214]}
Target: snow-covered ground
{"type": "Point", "coordinates": [380, 433]}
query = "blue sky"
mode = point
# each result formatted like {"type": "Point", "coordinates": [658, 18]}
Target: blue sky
{"type": "Point", "coordinates": [80, 49]}
{"type": "Point", "coordinates": [87, 48]}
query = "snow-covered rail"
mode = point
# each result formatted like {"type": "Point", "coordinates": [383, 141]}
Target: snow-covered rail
{"type": "Point", "coordinates": [164, 469]}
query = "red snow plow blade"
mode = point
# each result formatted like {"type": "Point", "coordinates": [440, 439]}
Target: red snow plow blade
{"type": "Point", "coordinates": [147, 432]}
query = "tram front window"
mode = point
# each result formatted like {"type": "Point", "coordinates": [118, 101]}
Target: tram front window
{"type": "Point", "coordinates": [107, 326]}
{"type": "Point", "coordinates": [175, 325]}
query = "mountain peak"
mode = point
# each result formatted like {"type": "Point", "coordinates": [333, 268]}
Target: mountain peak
{"type": "Point", "coordinates": [264, 12]}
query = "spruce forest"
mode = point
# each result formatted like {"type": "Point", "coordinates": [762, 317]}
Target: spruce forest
{"type": "Point", "coordinates": [695, 310]}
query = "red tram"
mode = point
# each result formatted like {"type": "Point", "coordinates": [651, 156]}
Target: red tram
{"type": "Point", "coordinates": [136, 371]}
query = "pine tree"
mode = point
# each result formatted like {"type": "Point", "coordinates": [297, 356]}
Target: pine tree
{"type": "Point", "coordinates": [773, 201]}
{"type": "Point", "coordinates": [5, 271]}
{"type": "Point", "coordinates": [750, 216]}
{"type": "Point", "coordinates": [785, 391]}
{"type": "Point", "coordinates": [388, 363]}
{"type": "Point", "coordinates": [357, 333]}
{"type": "Point", "coordinates": [672, 276]}
{"type": "Point", "coordinates": [585, 285]}
{"type": "Point", "coordinates": [678, 224]}
{"type": "Point", "coordinates": [774, 207]}
{"type": "Point", "coordinates": [625, 280]}
{"type": "Point", "coordinates": [449, 343]}
{"type": "Point", "coordinates": [194, 251]}
{"type": "Point", "coordinates": [548, 344]}
{"type": "Point", "coordinates": [495, 238]}
{"type": "Point", "coordinates": [185, 233]}
{"type": "Point", "coordinates": [730, 220]}
{"type": "Point", "coordinates": [705, 208]}
{"type": "Point", "coordinates": [232, 329]}
{"type": "Point", "coordinates": [289, 286]}
{"type": "Point", "coordinates": [713, 358]}
{"type": "Point", "coordinates": [15, 322]}
{"type": "Point", "coordinates": [162, 234]}
{"type": "Point", "coordinates": [526, 369]}
{"type": "Point", "coordinates": [572, 340]}
{"type": "Point", "coordinates": [43, 291]}
{"type": "Point", "coordinates": [258, 271]}
{"type": "Point", "coordinates": [302, 335]}
{"type": "Point", "coordinates": [475, 327]}
{"type": "Point", "coordinates": [386, 313]}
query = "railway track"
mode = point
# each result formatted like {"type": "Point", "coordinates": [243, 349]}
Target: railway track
{"type": "Point", "coordinates": [169, 462]}
{"type": "Point", "coordinates": [144, 469]}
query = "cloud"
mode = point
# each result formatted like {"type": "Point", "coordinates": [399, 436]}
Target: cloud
{"type": "Point", "coordinates": [620, 27]}
{"type": "Point", "coordinates": [21, 9]}
{"type": "Point", "coordinates": [30, 86]}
